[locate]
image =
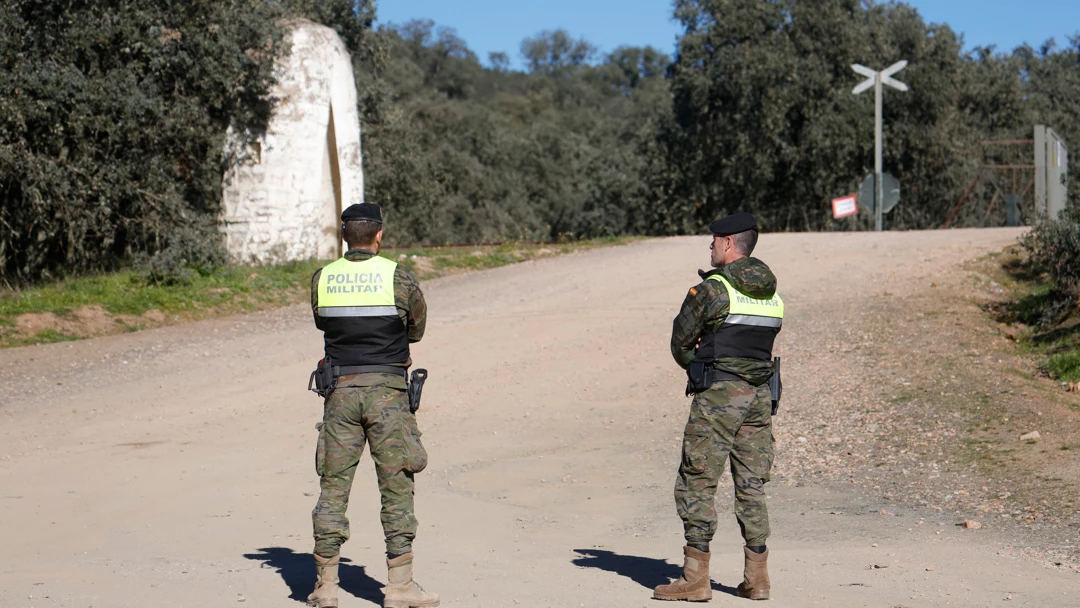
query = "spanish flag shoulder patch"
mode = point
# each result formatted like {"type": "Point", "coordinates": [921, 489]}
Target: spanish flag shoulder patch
{"type": "Point", "coordinates": [693, 291]}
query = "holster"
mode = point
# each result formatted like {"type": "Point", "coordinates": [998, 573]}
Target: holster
{"type": "Point", "coordinates": [322, 380]}
{"type": "Point", "coordinates": [415, 388]}
{"type": "Point", "coordinates": [776, 387]}
{"type": "Point", "coordinates": [699, 377]}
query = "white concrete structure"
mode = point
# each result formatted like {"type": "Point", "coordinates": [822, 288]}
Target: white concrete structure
{"type": "Point", "coordinates": [1051, 172]}
{"type": "Point", "coordinates": [283, 199]}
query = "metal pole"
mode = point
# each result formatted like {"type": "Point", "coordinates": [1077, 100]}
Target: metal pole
{"type": "Point", "coordinates": [877, 79]}
{"type": "Point", "coordinates": [879, 188]}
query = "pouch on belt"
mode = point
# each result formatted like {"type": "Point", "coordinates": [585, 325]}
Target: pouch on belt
{"type": "Point", "coordinates": [776, 387]}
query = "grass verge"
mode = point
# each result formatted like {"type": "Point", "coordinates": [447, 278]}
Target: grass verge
{"type": "Point", "coordinates": [1042, 317]}
{"type": "Point", "coordinates": [1065, 366]}
{"type": "Point", "coordinates": [124, 301]}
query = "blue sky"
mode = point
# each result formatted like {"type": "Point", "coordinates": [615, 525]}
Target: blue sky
{"type": "Point", "coordinates": [501, 25]}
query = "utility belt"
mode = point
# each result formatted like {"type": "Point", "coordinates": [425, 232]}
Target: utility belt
{"type": "Point", "coordinates": [324, 379]}
{"type": "Point", "coordinates": [348, 370]}
{"type": "Point", "coordinates": [701, 376]}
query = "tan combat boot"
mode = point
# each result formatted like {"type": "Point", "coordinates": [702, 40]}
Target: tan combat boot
{"type": "Point", "coordinates": [755, 583]}
{"type": "Point", "coordinates": [694, 586]}
{"type": "Point", "coordinates": [402, 591]}
{"type": "Point", "coordinates": [326, 589]}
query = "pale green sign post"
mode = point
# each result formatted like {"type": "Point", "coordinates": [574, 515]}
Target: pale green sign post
{"type": "Point", "coordinates": [877, 79]}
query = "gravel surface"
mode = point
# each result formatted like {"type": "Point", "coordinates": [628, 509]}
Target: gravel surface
{"type": "Point", "coordinates": [917, 398]}
{"type": "Point", "coordinates": [173, 466]}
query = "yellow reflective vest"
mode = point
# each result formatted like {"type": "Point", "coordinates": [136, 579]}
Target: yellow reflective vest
{"type": "Point", "coordinates": [749, 330]}
{"type": "Point", "coordinates": [745, 310]}
{"type": "Point", "coordinates": [360, 321]}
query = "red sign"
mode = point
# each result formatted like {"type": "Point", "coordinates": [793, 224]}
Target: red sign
{"type": "Point", "coordinates": [844, 206]}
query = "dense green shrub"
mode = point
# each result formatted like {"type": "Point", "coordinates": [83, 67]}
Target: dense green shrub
{"type": "Point", "coordinates": [1054, 249]}
{"type": "Point", "coordinates": [1065, 366]}
{"type": "Point", "coordinates": [460, 152]}
{"type": "Point", "coordinates": [190, 252]}
{"type": "Point", "coordinates": [112, 123]}
{"type": "Point", "coordinates": [113, 117]}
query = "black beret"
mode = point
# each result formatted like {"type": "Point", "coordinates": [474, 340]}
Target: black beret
{"type": "Point", "coordinates": [366, 212]}
{"type": "Point", "coordinates": [733, 224]}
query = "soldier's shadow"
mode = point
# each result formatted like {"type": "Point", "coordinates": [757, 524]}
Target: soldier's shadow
{"type": "Point", "coordinates": [298, 572]}
{"type": "Point", "coordinates": [645, 571]}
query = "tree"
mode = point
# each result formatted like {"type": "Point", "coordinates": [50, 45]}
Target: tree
{"type": "Point", "coordinates": [560, 150]}
{"type": "Point", "coordinates": [556, 53]}
{"type": "Point", "coordinates": [765, 120]}
{"type": "Point", "coordinates": [112, 126]}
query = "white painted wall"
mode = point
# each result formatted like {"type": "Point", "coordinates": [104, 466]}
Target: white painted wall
{"type": "Point", "coordinates": [1051, 172]}
{"type": "Point", "coordinates": [284, 200]}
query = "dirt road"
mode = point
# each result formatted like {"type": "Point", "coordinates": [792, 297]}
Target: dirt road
{"type": "Point", "coordinates": [174, 467]}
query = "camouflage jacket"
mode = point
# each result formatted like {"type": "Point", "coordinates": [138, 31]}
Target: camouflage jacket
{"type": "Point", "coordinates": [410, 304]}
{"type": "Point", "coordinates": [706, 307]}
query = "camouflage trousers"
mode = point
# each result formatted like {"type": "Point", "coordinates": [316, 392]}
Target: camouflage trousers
{"type": "Point", "coordinates": [730, 421]}
{"type": "Point", "coordinates": [380, 417]}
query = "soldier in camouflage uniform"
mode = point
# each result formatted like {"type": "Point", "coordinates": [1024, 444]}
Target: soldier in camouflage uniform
{"type": "Point", "coordinates": [727, 323]}
{"type": "Point", "coordinates": [367, 326]}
